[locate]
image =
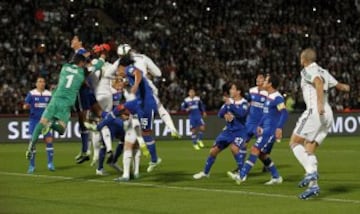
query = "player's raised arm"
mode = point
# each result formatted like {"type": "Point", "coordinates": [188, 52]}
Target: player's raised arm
{"type": "Point", "coordinates": [138, 77]}
{"type": "Point", "coordinates": [153, 69]}
{"type": "Point", "coordinates": [342, 87]}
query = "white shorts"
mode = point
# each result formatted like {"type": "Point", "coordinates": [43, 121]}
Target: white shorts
{"type": "Point", "coordinates": [313, 127]}
{"type": "Point", "coordinates": [130, 136]}
{"type": "Point", "coordinates": [105, 101]}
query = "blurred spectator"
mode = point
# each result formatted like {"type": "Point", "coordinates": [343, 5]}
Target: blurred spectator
{"type": "Point", "coordinates": [197, 43]}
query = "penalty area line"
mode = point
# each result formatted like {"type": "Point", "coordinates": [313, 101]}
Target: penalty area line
{"type": "Point", "coordinates": [198, 189]}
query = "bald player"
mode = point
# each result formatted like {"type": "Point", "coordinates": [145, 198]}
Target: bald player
{"type": "Point", "coordinates": [313, 125]}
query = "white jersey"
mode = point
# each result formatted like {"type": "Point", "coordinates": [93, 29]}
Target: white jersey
{"type": "Point", "coordinates": [308, 75]}
{"type": "Point", "coordinates": [311, 126]}
{"type": "Point", "coordinates": [145, 64]}
{"type": "Point", "coordinates": [104, 78]}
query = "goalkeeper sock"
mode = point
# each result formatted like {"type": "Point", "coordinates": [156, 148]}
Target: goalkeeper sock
{"type": "Point", "coordinates": [36, 133]}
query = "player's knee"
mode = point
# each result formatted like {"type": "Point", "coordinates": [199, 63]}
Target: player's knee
{"type": "Point", "coordinates": [255, 150]}
{"type": "Point", "coordinates": [146, 132]}
{"type": "Point", "coordinates": [48, 140]}
{"type": "Point", "coordinates": [214, 151]}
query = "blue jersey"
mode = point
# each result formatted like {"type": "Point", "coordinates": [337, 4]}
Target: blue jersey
{"type": "Point", "coordinates": [117, 97]}
{"type": "Point", "coordinates": [195, 106]}
{"type": "Point", "coordinates": [144, 93]}
{"type": "Point", "coordinates": [38, 102]}
{"type": "Point", "coordinates": [257, 100]}
{"type": "Point", "coordinates": [275, 113]}
{"type": "Point", "coordinates": [237, 108]}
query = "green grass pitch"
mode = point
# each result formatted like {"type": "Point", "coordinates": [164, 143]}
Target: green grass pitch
{"type": "Point", "coordinates": [170, 188]}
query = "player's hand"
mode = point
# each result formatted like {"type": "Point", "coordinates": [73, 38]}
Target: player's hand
{"type": "Point", "coordinates": [227, 100]}
{"type": "Point", "coordinates": [278, 134]}
{"type": "Point", "coordinates": [346, 87]}
{"type": "Point", "coordinates": [204, 114]}
{"type": "Point", "coordinates": [259, 130]}
{"type": "Point", "coordinates": [229, 117]}
{"type": "Point", "coordinates": [321, 109]}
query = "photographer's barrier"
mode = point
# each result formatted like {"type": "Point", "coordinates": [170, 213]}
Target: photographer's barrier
{"type": "Point", "coordinates": [17, 129]}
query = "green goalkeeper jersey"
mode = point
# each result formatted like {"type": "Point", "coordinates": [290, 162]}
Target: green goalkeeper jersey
{"type": "Point", "coordinates": [70, 80]}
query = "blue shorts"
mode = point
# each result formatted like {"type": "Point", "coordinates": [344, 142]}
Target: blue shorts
{"type": "Point", "coordinates": [265, 143]}
{"type": "Point", "coordinates": [146, 117]}
{"type": "Point", "coordinates": [251, 130]}
{"type": "Point", "coordinates": [32, 125]}
{"type": "Point", "coordinates": [225, 138]}
{"type": "Point", "coordinates": [197, 122]}
{"type": "Point", "coordinates": [85, 99]}
{"type": "Point", "coordinates": [117, 129]}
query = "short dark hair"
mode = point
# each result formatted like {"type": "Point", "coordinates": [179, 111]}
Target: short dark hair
{"type": "Point", "coordinates": [239, 87]}
{"type": "Point", "coordinates": [274, 80]}
{"type": "Point", "coordinates": [78, 58]}
{"type": "Point", "coordinates": [260, 73]}
{"type": "Point", "coordinates": [126, 60]}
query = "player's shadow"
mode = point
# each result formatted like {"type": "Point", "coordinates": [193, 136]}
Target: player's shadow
{"type": "Point", "coordinates": [260, 172]}
{"type": "Point", "coordinates": [339, 189]}
{"type": "Point", "coordinates": [171, 177]}
{"type": "Point", "coordinates": [65, 167]}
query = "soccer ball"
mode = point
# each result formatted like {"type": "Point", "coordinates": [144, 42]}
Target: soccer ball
{"type": "Point", "coordinates": [123, 49]}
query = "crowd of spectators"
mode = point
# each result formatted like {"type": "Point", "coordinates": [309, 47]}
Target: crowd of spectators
{"type": "Point", "coordinates": [197, 43]}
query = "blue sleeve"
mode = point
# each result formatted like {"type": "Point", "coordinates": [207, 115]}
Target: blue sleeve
{"type": "Point", "coordinates": [201, 106]}
{"type": "Point", "coordinates": [28, 98]}
{"type": "Point", "coordinates": [283, 118]}
{"type": "Point", "coordinates": [222, 111]}
{"type": "Point", "coordinates": [184, 106]}
{"type": "Point", "coordinates": [239, 111]}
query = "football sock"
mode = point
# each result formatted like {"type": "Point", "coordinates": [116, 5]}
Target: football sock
{"type": "Point", "coordinates": [137, 154]}
{"type": "Point", "coordinates": [165, 116]}
{"type": "Point", "coordinates": [127, 157]}
{"type": "Point", "coordinates": [194, 138]}
{"type": "Point", "coordinates": [57, 127]}
{"type": "Point", "coordinates": [118, 151]}
{"type": "Point", "coordinates": [269, 164]}
{"type": "Point", "coordinates": [209, 162]}
{"type": "Point", "coordinates": [50, 152]}
{"type": "Point", "coordinates": [150, 143]}
{"type": "Point", "coordinates": [248, 165]}
{"type": "Point", "coordinates": [106, 136]}
{"type": "Point", "coordinates": [301, 155]}
{"type": "Point", "coordinates": [200, 135]}
{"type": "Point", "coordinates": [102, 153]}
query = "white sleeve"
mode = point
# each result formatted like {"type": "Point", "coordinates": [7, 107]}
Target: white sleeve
{"type": "Point", "coordinates": [152, 68]}
{"type": "Point", "coordinates": [311, 74]}
{"type": "Point", "coordinates": [332, 81]}
{"type": "Point", "coordinates": [109, 70]}
{"type": "Point", "coordinates": [153, 87]}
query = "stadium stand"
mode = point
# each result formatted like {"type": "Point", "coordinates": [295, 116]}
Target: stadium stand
{"type": "Point", "coordinates": [196, 43]}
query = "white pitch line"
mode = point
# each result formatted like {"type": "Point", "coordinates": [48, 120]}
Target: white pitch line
{"type": "Point", "coordinates": [177, 187]}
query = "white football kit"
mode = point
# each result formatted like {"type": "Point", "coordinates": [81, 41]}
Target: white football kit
{"type": "Point", "coordinates": [311, 125]}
